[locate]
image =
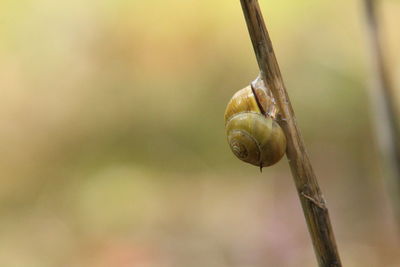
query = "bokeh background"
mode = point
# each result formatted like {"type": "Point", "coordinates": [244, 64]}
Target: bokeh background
{"type": "Point", "coordinates": [113, 151]}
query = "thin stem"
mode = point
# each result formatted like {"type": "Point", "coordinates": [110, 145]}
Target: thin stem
{"type": "Point", "coordinates": [382, 98]}
{"type": "Point", "coordinates": [312, 201]}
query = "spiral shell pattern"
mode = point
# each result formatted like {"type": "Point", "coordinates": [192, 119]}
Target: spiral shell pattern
{"type": "Point", "coordinates": [253, 138]}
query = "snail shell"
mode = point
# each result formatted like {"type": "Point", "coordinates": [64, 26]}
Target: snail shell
{"type": "Point", "coordinates": [253, 137]}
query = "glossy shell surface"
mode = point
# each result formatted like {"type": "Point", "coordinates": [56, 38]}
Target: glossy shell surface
{"type": "Point", "coordinates": [253, 138]}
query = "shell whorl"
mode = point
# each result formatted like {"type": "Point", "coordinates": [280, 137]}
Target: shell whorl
{"type": "Point", "coordinates": [253, 138]}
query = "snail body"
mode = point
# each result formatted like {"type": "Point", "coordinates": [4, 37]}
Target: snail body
{"type": "Point", "coordinates": [253, 134]}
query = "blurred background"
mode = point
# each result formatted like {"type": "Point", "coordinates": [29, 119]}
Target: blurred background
{"type": "Point", "coordinates": [113, 150]}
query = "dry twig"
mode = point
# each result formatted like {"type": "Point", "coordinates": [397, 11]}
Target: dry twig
{"type": "Point", "coordinates": [314, 207]}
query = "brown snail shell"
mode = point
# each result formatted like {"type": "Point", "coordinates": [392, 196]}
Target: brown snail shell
{"type": "Point", "coordinates": [253, 137]}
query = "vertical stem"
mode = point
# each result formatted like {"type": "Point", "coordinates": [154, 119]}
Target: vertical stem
{"type": "Point", "coordinates": [383, 101]}
{"type": "Point", "coordinates": [314, 207]}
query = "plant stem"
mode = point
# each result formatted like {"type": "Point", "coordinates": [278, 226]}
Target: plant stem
{"type": "Point", "coordinates": [383, 101]}
{"type": "Point", "coordinates": [312, 201]}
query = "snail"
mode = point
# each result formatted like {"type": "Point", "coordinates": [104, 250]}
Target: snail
{"type": "Point", "coordinates": [253, 134]}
